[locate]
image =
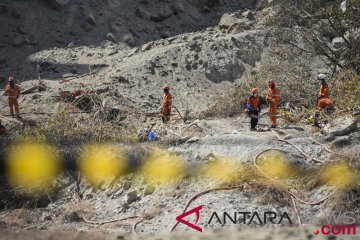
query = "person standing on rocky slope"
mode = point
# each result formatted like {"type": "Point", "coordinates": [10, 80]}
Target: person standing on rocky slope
{"type": "Point", "coordinates": [13, 92]}
{"type": "Point", "coordinates": [324, 88]}
{"type": "Point", "coordinates": [253, 108]}
{"type": "Point", "coordinates": [272, 97]}
{"type": "Point", "coordinates": [167, 104]}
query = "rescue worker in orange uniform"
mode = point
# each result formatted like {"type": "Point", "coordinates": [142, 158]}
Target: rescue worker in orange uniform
{"type": "Point", "coordinates": [326, 103]}
{"type": "Point", "coordinates": [253, 108]}
{"type": "Point", "coordinates": [324, 88]}
{"type": "Point", "coordinates": [167, 104]}
{"type": "Point", "coordinates": [272, 97]}
{"type": "Point", "coordinates": [13, 92]}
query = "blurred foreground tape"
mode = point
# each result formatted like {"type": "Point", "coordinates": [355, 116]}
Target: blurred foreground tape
{"type": "Point", "coordinates": [340, 175]}
{"type": "Point", "coordinates": [162, 167]}
{"type": "Point", "coordinates": [224, 170]}
{"type": "Point", "coordinates": [277, 165]}
{"type": "Point", "coordinates": [32, 167]}
{"type": "Point", "coordinates": [101, 163]}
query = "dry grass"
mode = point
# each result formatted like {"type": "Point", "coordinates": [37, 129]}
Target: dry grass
{"type": "Point", "coordinates": [64, 127]}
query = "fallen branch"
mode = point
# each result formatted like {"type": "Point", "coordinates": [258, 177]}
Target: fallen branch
{"type": "Point", "coordinates": [201, 194]}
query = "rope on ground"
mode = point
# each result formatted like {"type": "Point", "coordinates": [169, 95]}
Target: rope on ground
{"type": "Point", "coordinates": [201, 194]}
{"type": "Point", "coordinates": [327, 149]}
{"type": "Point", "coordinates": [296, 147]}
{"type": "Point", "coordinates": [135, 225]}
{"type": "Point", "coordinates": [84, 219]}
{"type": "Point", "coordinates": [105, 222]}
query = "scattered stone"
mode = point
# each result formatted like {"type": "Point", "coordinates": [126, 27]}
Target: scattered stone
{"type": "Point", "coordinates": [193, 140]}
{"type": "Point", "coordinates": [329, 138]}
{"type": "Point", "coordinates": [110, 37]}
{"type": "Point", "coordinates": [126, 185]}
{"type": "Point", "coordinates": [121, 79]}
{"type": "Point", "coordinates": [115, 51]}
{"type": "Point", "coordinates": [36, 96]}
{"type": "Point", "coordinates": [129, 39]}
{"type": "Point", "coordinates": [89, 22]}
{"type": "Point", "coordinates": [72, 217]}
{"type": "Point", "coordinates": [341, 142]}
{"type": "Point", "coordinates": [338, 43]}
{"type": "Point", "coordinates": [227, 21]}
{"type": "Point", "coordinates": [249, 15]}
{"type": "Point", "coordinates": [131, 197]}
{"type": "Point", "coordinates": [147, 46]}
{"type": "Point", "coordinates": [149, 189]}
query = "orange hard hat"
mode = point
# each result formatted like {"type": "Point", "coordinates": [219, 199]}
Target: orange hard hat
{"type": "Point", "coordinates": [11, 79]}
{"type": "Point", "coordinates": [271, 82]}
{"type": "Point", "coordinates": [166, 87]}
{"type": "Point", "coordinates": [255, 91]}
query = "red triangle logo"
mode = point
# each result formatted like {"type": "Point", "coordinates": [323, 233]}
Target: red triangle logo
{"type": "Point", "coordinates": [181, 217]}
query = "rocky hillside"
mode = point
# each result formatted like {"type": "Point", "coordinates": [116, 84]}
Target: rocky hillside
{"type": "Point", "coordinates": [31, 26]}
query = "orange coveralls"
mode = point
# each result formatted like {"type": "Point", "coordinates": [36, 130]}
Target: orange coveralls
{"type": "Point", "coordinates": [324, 91]}
{"type": "Point", "coordinates": [326, 102]}
{"type": "Point", "coordinates": [166, 107]}
{"type": "Point", "coordinates": [13, 94]}
{"type": "Point", "coordinates": [273, 99]}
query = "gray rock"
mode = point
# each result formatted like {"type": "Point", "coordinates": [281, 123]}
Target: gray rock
{"type": "Point", "coordinates": [227, 21]}
{"type": "Point", "coordinates": [193, 140]}
{"type": "Point", "coordinates": [129, 39]}
{"type": "Point", "coordinates": [110, 37]}
{"type": "Point", "coordinates": [147, 46]}
{"type": "Point", "coordinates": [89, 22]}
{"type": "Point", "coordinates": [149, 189]}
{"type": "Point", "coordinates": [341, 142]}
{"type": "Point", "coordinates": [90, 18]}
{"type": "Point", "coordinates": [121, 79]}
{"type": "Point", "coordinates": [338, 42]}
{"type": "Point", "coordinates": [103, 89]}
{"type": "Point", "coordinates": [249, 15]}
{"type": "Point", "coordinates": [131, 197]}
{"type": "Point", "coordinates": [126, 185]}
{"type": "Point", "coordinates": [329, 138]}
{"type": "Point", "coordinates": [36, 96]}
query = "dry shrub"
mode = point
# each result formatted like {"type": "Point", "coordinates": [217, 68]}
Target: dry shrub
{"type": "Point", "coordinates": [65, 127]}
{"type": "Point", "coordinates": [346, 90]}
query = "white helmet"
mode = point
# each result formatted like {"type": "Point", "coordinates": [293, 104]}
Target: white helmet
{"type": "Point", "coordinates": [322, 76]}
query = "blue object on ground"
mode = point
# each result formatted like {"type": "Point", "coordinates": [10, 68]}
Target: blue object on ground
{"type": "Point", "coordinates": [152, 135]}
